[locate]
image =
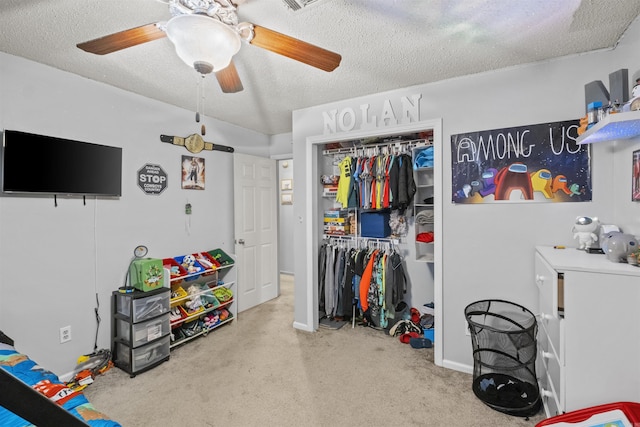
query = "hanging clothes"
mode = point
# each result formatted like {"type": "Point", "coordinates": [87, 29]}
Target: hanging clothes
{"type": "Point", "coordinates": [373, 171]}
{"type": "Point", "coordinates": [386, 201]}
{"type": "Point", "coordinates": [365, 281]}
{"type": "Point", "coordinates": [369, 279]}
{"type": "Point", "coordinates": [397, 280]}
{"type": "Point", "coordinates": [348, 294]}
{"type": "Point", "coordinates": [329, 282]}
{"type": "Point", "coordinates": [336, 310]}
{"type": "Point", "coordinates": [344, 185]}
{"type": "Point", "coordinates": [401, 183]}
{"type": "Point", "coordinates": [352, 199]}
{"type": "Point", "coordinates": [322, 268]}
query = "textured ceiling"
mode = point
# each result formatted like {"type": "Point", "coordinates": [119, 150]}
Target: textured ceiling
{"type": "Point", "coordinates": [385, 45]}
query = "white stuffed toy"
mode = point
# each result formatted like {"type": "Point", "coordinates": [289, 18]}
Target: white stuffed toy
{"type": "Point", "coordinates": [194, 301]}
{"type": "Point", "coordinates": [584, 229]}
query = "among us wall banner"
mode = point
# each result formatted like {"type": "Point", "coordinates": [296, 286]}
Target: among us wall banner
{"type": "Point", "coordinates": [526, 164]}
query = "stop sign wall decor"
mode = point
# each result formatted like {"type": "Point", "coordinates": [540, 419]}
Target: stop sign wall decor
{"type": "Point", "coordinates": [152, 179]}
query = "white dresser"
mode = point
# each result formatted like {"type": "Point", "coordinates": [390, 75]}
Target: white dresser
{"type": "Point", "coordinates": [589, 330]}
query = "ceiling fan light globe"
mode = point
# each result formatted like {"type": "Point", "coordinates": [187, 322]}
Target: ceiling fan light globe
{"type": "Point", "coordinates": [200, 39]}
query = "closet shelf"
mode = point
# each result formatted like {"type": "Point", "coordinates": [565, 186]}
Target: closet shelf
{"type": "Point", "coordinates": [407, 144]}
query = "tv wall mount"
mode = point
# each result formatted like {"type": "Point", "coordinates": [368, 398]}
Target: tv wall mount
{"type": "Point", "coordinates": [195, 144]}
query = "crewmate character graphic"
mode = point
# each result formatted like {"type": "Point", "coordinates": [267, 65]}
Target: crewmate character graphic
{"type": "Point", "coordinates": [541, 181]}
{"type": "Point", "coordinates": [514, 177]}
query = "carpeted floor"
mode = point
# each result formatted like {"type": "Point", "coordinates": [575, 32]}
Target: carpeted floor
{"type": "Point", "coordinates": [260, 371]}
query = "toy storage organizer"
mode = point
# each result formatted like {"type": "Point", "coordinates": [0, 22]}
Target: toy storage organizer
{"type": "Point", "coordinates": [202, 298]}
{"type": "Point", "coordinates": [503, 337]}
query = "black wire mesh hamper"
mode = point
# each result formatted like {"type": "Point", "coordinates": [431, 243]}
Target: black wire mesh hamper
{"type": "Point", "coordinates": [503, 336]}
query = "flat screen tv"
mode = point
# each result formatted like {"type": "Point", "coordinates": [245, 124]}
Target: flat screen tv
{"type": "Point", "coordinates": [37, 164]}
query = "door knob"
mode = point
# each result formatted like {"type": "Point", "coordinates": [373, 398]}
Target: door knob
{"type": "Point", "coordinates": [241, 241]}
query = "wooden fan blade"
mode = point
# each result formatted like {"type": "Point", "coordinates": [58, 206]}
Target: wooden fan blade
{"type": "Point", "coordinates": [229, 79]}
{"type": "Point", "coordinates": [123, 39]}
{"type": "Point", "coordinates": [295, 49]}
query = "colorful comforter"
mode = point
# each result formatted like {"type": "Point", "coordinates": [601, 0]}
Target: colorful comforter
{"type": "Point", "coordinates": [50, 385]}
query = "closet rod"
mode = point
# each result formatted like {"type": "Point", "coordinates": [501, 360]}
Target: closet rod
{"type": "Point", "coordinates": [410, 144]}
{"type": "Point", "coordinates": [380, 240]}
{"type": "Point", "coordinates": [362, 240]}
{"type": "Point", "coordinates": [331, 236]}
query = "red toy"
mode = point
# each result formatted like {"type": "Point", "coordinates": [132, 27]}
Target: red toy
{"type": "Point", "coordinates": [623, 414]}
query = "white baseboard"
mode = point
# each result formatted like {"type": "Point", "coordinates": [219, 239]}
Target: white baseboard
{"type": "Point", "coordinates": [66, 377]}
{"type": "Point", "coordinates": [302, 326]}
{"type": "Point", "coordinates": [460, 367]}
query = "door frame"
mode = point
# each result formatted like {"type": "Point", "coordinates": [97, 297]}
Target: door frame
{"type": "Point", "coordinates": [311, 212]}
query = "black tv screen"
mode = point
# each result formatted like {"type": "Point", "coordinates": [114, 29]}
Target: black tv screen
{"type": "Point", "coordinates": [48, 165]}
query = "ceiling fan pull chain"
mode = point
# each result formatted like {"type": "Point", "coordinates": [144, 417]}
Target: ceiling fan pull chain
{"type": "Point", "coordinates": [198, 101]}
{"type": "Point", "coordinates": [202, 128]}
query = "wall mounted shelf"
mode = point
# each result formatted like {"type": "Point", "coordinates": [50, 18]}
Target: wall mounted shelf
{"type": "Point", "coordinates": [614, 126]}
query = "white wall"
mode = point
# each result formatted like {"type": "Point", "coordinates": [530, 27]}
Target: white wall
{"type": "Point", "coordinates": [55, 259]}
{"type": "Point", "coordinates": [285, 220]}
{"type": "Point", "coordinates": [488, 249]}
{"type": "Point", "coordinates": [281, 146]}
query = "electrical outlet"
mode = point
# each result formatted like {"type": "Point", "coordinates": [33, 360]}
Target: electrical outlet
{"type": "Point", "coordinates": [65, 334]}
{"type": "Point", "coordinates": [467, 331]}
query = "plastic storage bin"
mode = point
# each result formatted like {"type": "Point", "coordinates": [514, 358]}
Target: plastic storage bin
{"type": "Point", "coordinates": [503, 337]}
{"type": "Point", "coordinates": [196, 268]}
{"type": "Point", "coordinates": [375, 224]}
{"type": "Point", "coordinates": [137, 334]}
{"type": "Point", "coordinates": [137, 306]}
{"type": "Point", "coordinates": [221, 256]}
{"type": "Point", "coordinates": [136, 360]}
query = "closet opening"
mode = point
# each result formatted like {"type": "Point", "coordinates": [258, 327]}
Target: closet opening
{"type": "Point", "coordinates": [367, 221]}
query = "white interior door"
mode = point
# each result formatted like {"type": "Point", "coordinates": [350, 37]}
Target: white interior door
{"type": "Point", "coordinates": [256, 229]}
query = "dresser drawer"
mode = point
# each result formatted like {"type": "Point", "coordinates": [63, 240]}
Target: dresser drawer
{"type": "Point", "coordinates": [551, 364]}
{"type": "Point", "coordinates": [549, 397]}
{"type": "Point", "coordinates": [547, 283]}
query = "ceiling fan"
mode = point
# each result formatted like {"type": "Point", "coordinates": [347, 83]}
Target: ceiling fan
{"type": "Point", "coordinates": [206, 35]}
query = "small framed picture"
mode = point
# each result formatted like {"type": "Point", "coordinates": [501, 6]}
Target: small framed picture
{"type": "Point", "coordinates": [286, 184]}
{"type": "Point", "coordinates": [192, 173]}
{"type": "Point", "coordinates": [635, 176]}
{"type": "Point", "coordinates": [286, 199]}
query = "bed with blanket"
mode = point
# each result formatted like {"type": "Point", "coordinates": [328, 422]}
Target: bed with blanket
{"type": "Point", "coordinates": [31, 395]}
